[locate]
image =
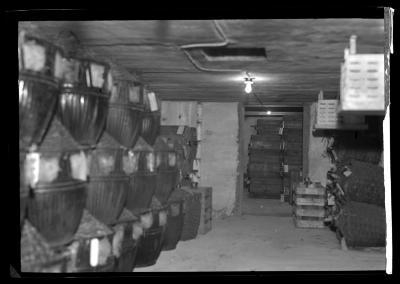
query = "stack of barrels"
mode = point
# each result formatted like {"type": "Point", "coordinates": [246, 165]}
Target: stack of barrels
{"type": "Point", "coordinates": [292, 149]}
{"type": "Point", "coordinates": [99, 185]}
{"type": "Point", "coordinates": [265, 158]}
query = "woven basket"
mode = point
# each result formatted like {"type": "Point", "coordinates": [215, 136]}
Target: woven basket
{"type": "Point", "coordinates": [362, 225]}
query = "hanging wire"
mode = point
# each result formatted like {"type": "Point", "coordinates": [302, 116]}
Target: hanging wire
{"type": "Point", "coordinates": [258, 99]}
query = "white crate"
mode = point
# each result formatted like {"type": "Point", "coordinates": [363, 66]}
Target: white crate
{"type": "Point", "coordinates": [327, 113]}
{"type": "Point", "coordinates": [362, 83]}
{"type": "Point", "coordinates": [328, 116]}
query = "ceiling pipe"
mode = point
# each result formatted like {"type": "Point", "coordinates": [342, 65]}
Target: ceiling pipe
{"type": "Point", "coordinates": [214, 44]}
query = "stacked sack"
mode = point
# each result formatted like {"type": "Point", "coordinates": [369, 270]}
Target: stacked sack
{"type": "Point", "coordinates": [358, 212]}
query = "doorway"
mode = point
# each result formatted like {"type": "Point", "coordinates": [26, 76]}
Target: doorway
{"type": "Point", "coordinates": [272, 138]}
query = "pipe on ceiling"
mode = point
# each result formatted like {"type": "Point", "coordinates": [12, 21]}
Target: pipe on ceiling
{"type": "Point", "coordinates": [214, 44]}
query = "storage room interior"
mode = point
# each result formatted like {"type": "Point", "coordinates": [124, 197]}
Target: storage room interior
{"type": "Point", "coordinates": [204, 145]}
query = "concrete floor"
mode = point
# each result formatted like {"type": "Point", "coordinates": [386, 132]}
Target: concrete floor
{"type": "Point", "coordinates": [265, 207]}
{"type": "Point", "coordinates": [265, 243]}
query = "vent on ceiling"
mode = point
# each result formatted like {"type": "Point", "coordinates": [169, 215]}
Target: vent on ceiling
{"type": "Point", "coordinates": [235, 53]}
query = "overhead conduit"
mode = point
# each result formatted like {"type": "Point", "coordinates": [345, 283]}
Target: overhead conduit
{"type": "Point", "coordinates": [202, 45]}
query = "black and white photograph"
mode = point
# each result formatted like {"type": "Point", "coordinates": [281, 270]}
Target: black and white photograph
{"type": "Point", "coordinates": [221, 144]}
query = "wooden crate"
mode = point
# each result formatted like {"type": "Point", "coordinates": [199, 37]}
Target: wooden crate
{"type": "Point", "coordinates": [206, 209]}
{"type": "Point", "coordinates": [309, 211]}
{"type": "Point", "coordinates": [312, 189]}
{"type": "Point", "coordinates": [309, 205]}
{"type": "Point", "coordinates": [309, 222]}
{"type": "Point", "coordinates": [309, 200]}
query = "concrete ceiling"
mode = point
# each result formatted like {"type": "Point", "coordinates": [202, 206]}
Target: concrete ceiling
{"type": "Point", "coordinates": [303, 55]}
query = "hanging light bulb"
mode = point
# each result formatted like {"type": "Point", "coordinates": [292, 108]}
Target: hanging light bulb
{"type": "Point", "coordinates": [248, 81]}
{"type": "Point", "coordinates": [248, 87]}
{"type": "Point", "coordinates": [268, 112]}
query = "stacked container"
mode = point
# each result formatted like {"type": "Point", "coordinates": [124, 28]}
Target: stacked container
{"type": "Point", "coordinates": [108, 187]}
{"type": "Point", "coordinates": [57, 175]}
{"type": "Point", "coordinates": [38, 83]}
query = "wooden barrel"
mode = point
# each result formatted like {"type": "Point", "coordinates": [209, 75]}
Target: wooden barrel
{"type": "Point", "coordinates": [37, 102]}
{"type": "Point", "coordinates": [23, 187]}
{"type": "Point", "coordinates": [124, 120]}
{"type": "Point", "coordinates": [59, 194]}
{"type": "Point", "coordinates": [293, 121]}
{"type": "Point", "coordinates": [175, 221]}
{"type": "Point", "coordinates": [36, 254]}
{"type": "Point", "coordinates": [151, 117]}
{"type": "Point", "coordinates": [107, 196]}
{"type": "Point", "coordinates": [187, 137]}
{"type": "Point", "coordinates": [83, 103]}
{"type": "Point", "coordinates": [183, 169]}
{"type": "Point", "coordinates": [167, 169]}
{"type": "Point", "coordinates": [109, 185]}
{"type": "Point", "coordinates": [125, 246]}
{"type": "Point", "coordinates": [152, 240]}
{"type": "Point", "coordinates": [143, 180]}
{"type": "Point", "coordinates": [39, 63]}
{"type": "Point", "coordinates": [141, 190]}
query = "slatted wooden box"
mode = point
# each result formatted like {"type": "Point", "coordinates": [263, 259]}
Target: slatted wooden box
{"type": "Point", "coordinates": [309, 206]}
{"type": "Point", "coordinates": [328, 117]}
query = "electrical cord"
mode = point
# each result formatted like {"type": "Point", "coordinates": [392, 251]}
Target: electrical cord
{"type": "Point", "coordinates": [258, 99]}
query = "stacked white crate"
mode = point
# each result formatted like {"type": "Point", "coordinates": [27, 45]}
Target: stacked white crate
{"type": "Point", "coordinates": [362, 82]}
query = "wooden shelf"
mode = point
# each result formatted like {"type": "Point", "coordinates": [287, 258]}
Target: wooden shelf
{"type": "Point", "coordinates": [342, 127]}
{"type": "Point", "coordinates": [361, 112]}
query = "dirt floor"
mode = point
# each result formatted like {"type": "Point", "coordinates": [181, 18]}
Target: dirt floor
{"type": "Point", "coordinates": [265, 243]}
